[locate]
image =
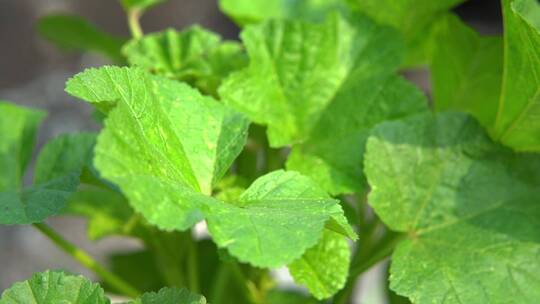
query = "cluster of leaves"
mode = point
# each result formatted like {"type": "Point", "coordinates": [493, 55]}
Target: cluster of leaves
{"type": "Point", "coordinates": [281, 144]}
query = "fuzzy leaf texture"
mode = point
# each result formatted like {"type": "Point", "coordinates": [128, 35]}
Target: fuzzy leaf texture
{"type": "Point", "coordinates": [54, 287]}
{"type": "Point", "coordinates": [508, 105]}
{"type": "Point", "coordinates": [168, 170]}
{"type": "Point", "coordinates": [75, 33]}
{"type": "Point", "coordinates": [470, 209]}
{"type": "Point", "coordinates": [322, 87]}
{"type": "Point", "coordinates": [194, 55]}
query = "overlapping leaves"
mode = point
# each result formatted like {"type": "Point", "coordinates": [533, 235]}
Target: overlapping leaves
{"type": "Point", "coordinates": [470, 208]}
{"type": "Point", "coordinates": [322, 87]}
{"type": "Point", "coordinates": [57, 171]}
{"type": "Point", "coordinates": [58, 287]}
{"type": "Point", "coordinates": [194, 55]}
{"type": "Point", "coordinates": [166, 146]}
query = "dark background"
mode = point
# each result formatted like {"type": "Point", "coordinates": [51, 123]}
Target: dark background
{"type": "Point", "coordinates": [33, 73]}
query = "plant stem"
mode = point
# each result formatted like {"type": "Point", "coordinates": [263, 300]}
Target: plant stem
{"type": "Point", "coordinates": [87, 261]}
{"type": "Point", "coordinates": [193, 271]}
{"type": "Point", "coordinates": [133, 16]}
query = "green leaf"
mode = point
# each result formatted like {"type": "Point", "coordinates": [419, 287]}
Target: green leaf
{"type": "Point", "coordinates": [469, 207]}
{"type": "Point", "coordinates": [466, 70]}
{"type": "Point", "coordinates": [75, 33]}
{"type": "Point", "coordinates": [146, 276]}
{"type": "Point", "coordinates": [413, 18]}
{"type": "Point", "coordinates": [278, 218]}
{"type": "Point", "coordinates": [324, 268]}
{"type": "Point", "coordinates": [56, 177]}
{"type": "Point", "coordinates": [140, 4]}
{"type": "Point", "coordinates": [288, 59]}
{"type": "Point", "coordinates": [54, 287]}
{"type": "Point", "coordinates": [244, 12]}
{"type": "Point", "coordinates": [516, 123]}
{"type": "Point", "coordinates": [194, 55]}
{"type": "Point", "coordinates": [353, 70]}
{"type": "Point", "coordinates": [18, 128]}
{"type": "Point", "coordinates": [170, 296]}
{"type": "Point", "coordinates": [164, 168]}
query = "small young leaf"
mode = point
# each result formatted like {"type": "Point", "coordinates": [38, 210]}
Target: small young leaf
{"type": "Point", "coordinates": [75, 33]}
{"type": "Point", "coordinates": [195, 55]}
{"type": "Point", "coordinates": [324, 268]}
{"type": "Point", "coordinates": [170, 296]}
{"type": "Point", "coordinates": [54, 287]}
{"type": "Point", "coordinates": [466, 70]}
{"type": "Point", "coordinates": [469, 206]}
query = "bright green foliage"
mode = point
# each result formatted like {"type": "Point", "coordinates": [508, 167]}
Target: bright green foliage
{"type": "Point", "coordinates": [302, 76]}
{"type": "Point", "coordinates": [75, 33]}
{"type": "Point", "coordinates": [469, 206]}
{"type": "Point", "coordinates": [56, 177]}
{"type": "Point", "coordinates": [276, 205]}
{"type": "Point", "coordinates": [244, 12]}
{"type": "Point", "coordinates": [54, 287]}
{"type": "Point", "coordinates": [194, 55]}
{"type": "Point", "coordinates": [164, 168]}
{"type": "Point", "coordinates": [140, 4]}
{"type": "Point", "coordinates": [466, 70]}
{"type": "Point", "coordinates": [413, 18]}
{"type": "Point", "coordinates": [170, 296]}
{"type": "Point", "coordinates": [516, 123]}
{"type": "Point", "coordinates": [168, 170]}
{"type": "Point", "coordinates": [323, 269]}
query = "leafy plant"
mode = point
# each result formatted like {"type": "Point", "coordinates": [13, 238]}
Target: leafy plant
{"type": "Point", "coordinates": [287, 145]}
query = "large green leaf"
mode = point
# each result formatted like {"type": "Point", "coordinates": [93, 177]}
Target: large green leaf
{"type": "Point", "coordinates": [278, 218]}
{"type": "Point", "coordinates": [54, 287]}
{"type": "Point", "coordinates": [466, 70]}
{"type": "Point", "coordinates": [164, 144]}
{"type": "Point", "coordinates": [322, 87]}
{"type": "Point", "coordinates": [244, 12]}
{"type": "Point", "coordinates": [170, 296]}
{"type": "Point", "coordinates": [470, 209]}
{"type": "Point", "coordinates": [516, 123]}
{"type": "Point", "coordinates": [413, 18]}
{"type": "Point", "coordinates": [56, 177]}
{"type": "Point", "coordinates": [323, 269]}
{"type": "Point", "coordinates": [75, 33]}
{"type": "Point", "coordinates": [194, 55]}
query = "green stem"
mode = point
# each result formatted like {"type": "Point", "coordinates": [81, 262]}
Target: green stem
{"type": "Point", "coordinates": [133, 16]}
{"type": "Point", "coordinates": [193, 270]}
{"type": "Point", "coordinates": [87, 261]}
{"type": "Point", "coordinates": [365, 259]}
